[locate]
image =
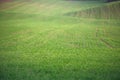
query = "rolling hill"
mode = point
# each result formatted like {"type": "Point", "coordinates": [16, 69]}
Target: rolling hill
{"type": "Point", "coordinates": [59, 40]}
{"type": "Point", "coordinates": [108, 11]}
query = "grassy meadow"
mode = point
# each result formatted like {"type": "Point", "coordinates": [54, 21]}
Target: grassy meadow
{"type": "Point", "coordinates": [59, 40]}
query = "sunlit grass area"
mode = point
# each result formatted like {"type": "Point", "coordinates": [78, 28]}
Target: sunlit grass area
{"type": "Point", "coordinates": [52, 40]}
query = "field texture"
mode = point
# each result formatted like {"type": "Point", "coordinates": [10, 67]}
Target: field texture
{"type": "Point", "coordinates": [59, 40]}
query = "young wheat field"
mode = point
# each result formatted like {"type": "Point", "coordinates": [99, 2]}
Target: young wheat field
{"type": "Point", "coordinates": [59, 40]}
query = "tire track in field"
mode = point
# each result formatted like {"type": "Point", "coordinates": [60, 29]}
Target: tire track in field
{"type": "Point", "coordinates": [106, 43]}
{"type": "Point", "coordinates": [101, 39]}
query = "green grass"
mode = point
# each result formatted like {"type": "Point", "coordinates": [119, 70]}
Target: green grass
{"type": "Point", "coordinates": [38, 41]}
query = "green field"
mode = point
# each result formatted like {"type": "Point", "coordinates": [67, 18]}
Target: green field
{"type": "Point", "coordinates": [59, 40]}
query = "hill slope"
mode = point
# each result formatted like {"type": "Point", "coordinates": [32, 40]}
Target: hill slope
{"type": "Point", "coordinates": [109, 11]}
{"type": "Point", "coordinates": [37, 42]}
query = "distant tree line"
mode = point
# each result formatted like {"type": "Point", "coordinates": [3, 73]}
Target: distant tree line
{"type": "Point", "coordinates": [111, 0]}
